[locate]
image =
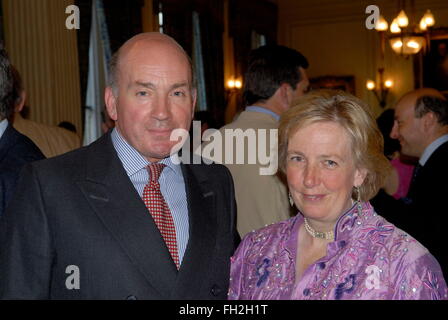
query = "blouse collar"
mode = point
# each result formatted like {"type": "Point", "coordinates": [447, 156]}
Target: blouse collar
{"type": "Point", "coordinates": [347, 227]}
{"type": "Point", "coordinates": [347, 223]}
{"type": "Point", "coordinates": [352, 219]}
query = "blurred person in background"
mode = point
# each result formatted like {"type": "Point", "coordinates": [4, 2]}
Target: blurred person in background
{"type": "Point", "coordinates": [275, 77]}
{"type": "Point", "coordinates": [398, 181]}
{"type": "Point", "coordinates": [15, 149]}
{"type": "Point", "coordinates": [51, 140]}
{"type": "Point", "coordinates": [421, 127]}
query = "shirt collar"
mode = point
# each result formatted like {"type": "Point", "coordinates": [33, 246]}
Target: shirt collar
{"type": "Point", "coordinates": [3, 126]}
{"type": "Point", "coordinates": [263, 110]}
{"type": "Point", "coordinates": [132, 160]}
{"type": "Point", "coordinates": [431, 148]}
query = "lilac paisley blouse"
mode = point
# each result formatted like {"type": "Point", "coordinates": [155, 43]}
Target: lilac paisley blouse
{"type": "Point", "coordinates": [369, 259]}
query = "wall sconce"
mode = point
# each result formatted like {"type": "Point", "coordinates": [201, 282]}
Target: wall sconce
{"type": "Point", "coordinates": [383, 88]}
{"type": "Point", "coordinates": [234, 84]}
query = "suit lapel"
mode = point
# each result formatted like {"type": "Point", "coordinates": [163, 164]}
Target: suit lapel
{"type": "Point", "coordinates": [114, 199]}
{"type": "Point", "coordinates": [426, 173]}
{"type": "Point", "coordinates": [7, 140]}
{"type": "Point", "coordinates": [202, 236]}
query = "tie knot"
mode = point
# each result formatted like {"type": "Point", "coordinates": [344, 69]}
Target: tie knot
{"type": "Point", "coordinates": [155, 169]}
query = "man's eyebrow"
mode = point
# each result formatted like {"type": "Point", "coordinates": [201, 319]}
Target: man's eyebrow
{"type": "Point", "coordinates": [179, 85]}
{"type": "Point", "coordinates": [150, 85]}
{"type": "Point", "coordinates": [293, 151]}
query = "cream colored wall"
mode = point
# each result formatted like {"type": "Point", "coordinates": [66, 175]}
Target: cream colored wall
{"type": "Point", "coordinates": [45, 52]}
{"type": "Point", "coordinates": [333, 36]}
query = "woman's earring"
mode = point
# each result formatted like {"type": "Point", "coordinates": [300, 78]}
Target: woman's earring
{"type": "Point", "coordinates": [291, 202]}
{"type": "Point", "coordinates": [358, 194]}
{"type": "Point", "coordinates": [358, 200]}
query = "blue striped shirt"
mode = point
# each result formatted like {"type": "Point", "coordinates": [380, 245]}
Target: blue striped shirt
{"type": "Point", "coordinates": [3, 126]}
{"type": "Point", "coordinates": [171, 182]}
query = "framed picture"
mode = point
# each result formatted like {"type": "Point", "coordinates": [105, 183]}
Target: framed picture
{"type": "Point", "coordinates": [344, 83]}
{"type": "Point", "coordinates": [431, 67]}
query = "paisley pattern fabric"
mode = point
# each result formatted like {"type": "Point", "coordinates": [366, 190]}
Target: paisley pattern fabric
{"type": "Point", "coordinates": [369, 259]}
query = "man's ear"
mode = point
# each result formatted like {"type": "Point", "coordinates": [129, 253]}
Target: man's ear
{"type": "Point", "coordinates": [429, 120]}
{"type": "Point", "coordinates": [285, 93]}
{"type": "Point", "coordinates": [20, 105]}
{"type": "Point", "coordinates": [111, 103]}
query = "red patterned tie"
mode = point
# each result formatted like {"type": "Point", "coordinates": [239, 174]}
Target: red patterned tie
{"type": "Point", "coordinates": [160, 211]}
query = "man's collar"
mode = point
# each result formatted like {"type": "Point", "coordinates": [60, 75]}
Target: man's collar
{"type": "Point", "coordinates": [3, 126]}
{"type": "Point", "coordinates": [132, 160]}
{"type": "Point", "coordinates": [431, 148]}
{"type": "Point", "coordinates": [263, 110]}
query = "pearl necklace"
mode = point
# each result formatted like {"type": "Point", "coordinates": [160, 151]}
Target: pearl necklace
{"type": "Point", "coordinates": [317, 234]}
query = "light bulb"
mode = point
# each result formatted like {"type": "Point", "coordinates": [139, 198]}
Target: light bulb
{"type": "Point", "coordinates": [423, 25]}
{"type": "Point", "coordinates": [231, 84]}
{"type": "Point", "coordinates": [370, 85]}
{"type": "Point", "coordinates": [397, 44]}
{"type": "Point", "coordinates": [402, 19]}
{"type": "Point", "coordinates": [388, 83]}
{"type": "Point", "coordinates": [394, 28]}
{"type": "Point", "coordinates": [413, 44]}
{"type": "Point", "coordinates": [381, 25]}
{"type": "Point", "coordinates": [429, 18]}
{"type": "Point", "coordinates": [238, 84]}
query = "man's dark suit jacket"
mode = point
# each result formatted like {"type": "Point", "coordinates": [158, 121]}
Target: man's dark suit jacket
{"type": "Point", "coordinates": [81, 209]}
{"type": "Point", "coordinates": [15, 151]}
{"type": "Point", "coordinates": [425, 215]}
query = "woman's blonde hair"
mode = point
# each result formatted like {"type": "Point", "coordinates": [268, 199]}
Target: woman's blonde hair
{"type": "Point", "coordinates": [352, 114]}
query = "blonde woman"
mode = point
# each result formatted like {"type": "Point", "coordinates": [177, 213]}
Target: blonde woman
{"type": "Point", "coordinates": [336, 247]}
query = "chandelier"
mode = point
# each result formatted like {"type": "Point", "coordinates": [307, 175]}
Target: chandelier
{"type": "Point", "coordinates": [406, 38]}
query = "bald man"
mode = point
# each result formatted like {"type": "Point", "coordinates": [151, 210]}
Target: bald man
{"type": "Point", "coordinates": [120, 219]}
{"type": "Point", "coordinates": [421, 126]}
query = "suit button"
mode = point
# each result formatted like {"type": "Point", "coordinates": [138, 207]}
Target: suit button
{"type": "Point", "coordinates": [131, 297]}
{"type": "Point", "coordinates": [216, 290]}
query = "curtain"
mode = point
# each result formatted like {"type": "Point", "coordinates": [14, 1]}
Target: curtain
{"type": "Point", "coordinates": [198, 64]}
{"type": "Point", "coordinates": [99, 57]}
{"type": "Point", "coordinates": [212, 29]}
